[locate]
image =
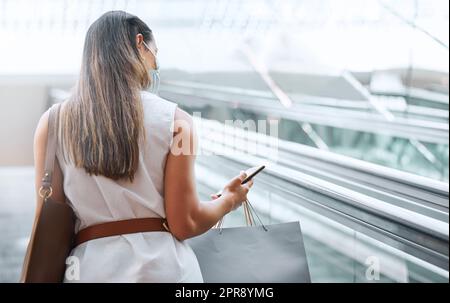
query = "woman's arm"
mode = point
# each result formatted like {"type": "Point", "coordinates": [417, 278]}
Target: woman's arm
{"type": "Point", "coordinates": [186, 216]}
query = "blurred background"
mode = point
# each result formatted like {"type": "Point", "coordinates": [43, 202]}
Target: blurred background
{"type": "Point", "coordinates": [359, 89]}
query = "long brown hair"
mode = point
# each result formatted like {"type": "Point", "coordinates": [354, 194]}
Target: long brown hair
{"type": "Point", "coordinates": [103, 120]}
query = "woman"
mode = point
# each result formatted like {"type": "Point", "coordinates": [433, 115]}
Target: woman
{"type": "Point", "coordinates": [114, 162]}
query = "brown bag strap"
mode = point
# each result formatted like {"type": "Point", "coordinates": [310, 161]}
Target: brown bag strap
{"type": "Point", "coordinates": [46, 190]}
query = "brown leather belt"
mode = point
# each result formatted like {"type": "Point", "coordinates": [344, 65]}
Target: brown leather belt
{"type": "Point", "coordinates": [122, 227]}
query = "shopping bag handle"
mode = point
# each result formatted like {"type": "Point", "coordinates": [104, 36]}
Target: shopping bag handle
{"type": "Point", "coordinates": [249, 218]}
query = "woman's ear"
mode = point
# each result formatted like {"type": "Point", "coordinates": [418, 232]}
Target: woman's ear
{"type": "Point", "coordinates": [139, 40]}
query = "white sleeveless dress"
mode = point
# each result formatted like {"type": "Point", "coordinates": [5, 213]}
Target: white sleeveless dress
{"type": "Point", "coordinates": [140, 257]}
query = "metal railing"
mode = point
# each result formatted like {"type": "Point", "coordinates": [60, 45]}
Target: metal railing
{"type": "Point", "coordinates": [198, 95]}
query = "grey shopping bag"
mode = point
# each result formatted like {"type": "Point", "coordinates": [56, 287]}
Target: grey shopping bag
{"type": "Point", "coordinates": [252, 254]}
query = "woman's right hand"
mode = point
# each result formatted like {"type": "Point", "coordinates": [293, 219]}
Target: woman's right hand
{"type": "Point", "coordinates": [235, 192]}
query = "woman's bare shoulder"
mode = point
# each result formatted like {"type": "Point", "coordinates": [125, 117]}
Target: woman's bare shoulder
{"type": "Point", "coordinates": [40, 134]}
{"type": "Point", "coordinates": [183, 123]}
{"type": "Point", "coordinates": [41, 131]}
{"type": "Point", "coordinates": [182, 115]}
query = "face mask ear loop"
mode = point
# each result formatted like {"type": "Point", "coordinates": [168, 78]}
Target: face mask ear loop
{"type": "Point", "coordinates": [154, 55]}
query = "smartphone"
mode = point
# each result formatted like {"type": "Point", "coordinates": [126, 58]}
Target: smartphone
{"type": "Point", "coordinates": [251, 172]}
